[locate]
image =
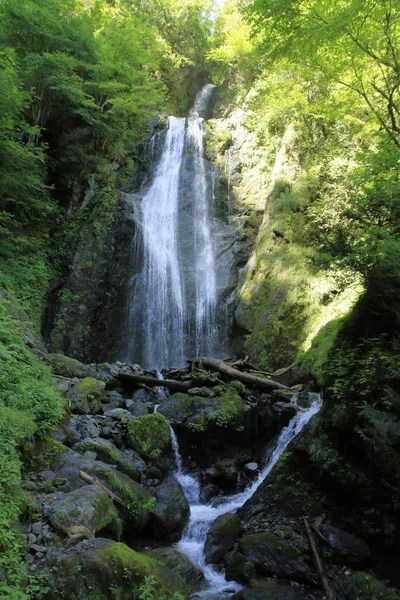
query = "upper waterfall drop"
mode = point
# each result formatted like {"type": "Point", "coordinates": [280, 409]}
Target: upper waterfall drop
{"type": "Point", "coordinates": [176, 294]}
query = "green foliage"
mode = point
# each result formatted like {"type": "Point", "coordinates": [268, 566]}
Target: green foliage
{"type": "Point", "coordinates": [139, 508]}
{"type": "Point", "coordinates": [149, 435]}
{"type": "Point", "coordinates": [29, 404]}
{"type": "Point", "coordinates": [148, 591]}
{"type": "Point", "coordinates": [233, 407]}
{"type": "Point", "coordinates": [369, 588]}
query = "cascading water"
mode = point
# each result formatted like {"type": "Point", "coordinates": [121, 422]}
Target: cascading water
{"type": "Point", "coordinates": [203, 515]}
{"type": "Point", "coordinates": [176, 296]}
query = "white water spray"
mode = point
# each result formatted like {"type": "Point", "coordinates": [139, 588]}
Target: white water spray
{"type": "Point", "coordinates": [176, 307]}
{"type": "Point", "coordinates": [203, 515]}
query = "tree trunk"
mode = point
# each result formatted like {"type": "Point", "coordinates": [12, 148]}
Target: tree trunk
{"type": "Point", "coordinates": [216, 364]}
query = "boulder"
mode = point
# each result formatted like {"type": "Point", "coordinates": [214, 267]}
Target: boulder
{"type": "Point", "coordinates": [172, 510]}
{"type": "Point", "coordinates": [222, 535]}
{"type": "Point", "coordinates": [101, 568]}
{"type": "Point", "coordinates": [272, 591]}
{"type": "Point", "coordinates": [141, 403]}
{"type": "Point", "coordinates": [88, 506]}
{"type": "Point", "coordinates": [237, 568]}
{"type": "Point", "coordinates": [86, 426]}
{"type": "Point", "coordinates": [69, 464]}
{"type": "Point", "coordinates": [180, 565]}
{"type": "Point", "coordinates": [285, 411]}
{"type": "Point", "coordinates": [292, 375]}
{"type": "Point", "coordinates": [127, 462]}
{"type": "Point", "coordinates": [345, 547]}
{"type": "Point", "coordinates": [187, 410]}
{"type": "Point", "coordinates": [69, 367]}
{"type": "Point", "coordinates": [281, 552]}
{"type": "Point", "coordinates": [85, 396]}
{"type": "Point", "coordinates": [149, 435]}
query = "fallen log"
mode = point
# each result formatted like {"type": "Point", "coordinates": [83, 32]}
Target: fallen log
{"type": "Point", "coordinates": [244, 365]}
{"type": "Point", "coordinates": [170, 384]}
{"type": "Point", "coordinates": [216, 364]}
{"type": "Point", "coordinates": [92, 481]}
{"type": "Point", "coordinates": [329, 591]}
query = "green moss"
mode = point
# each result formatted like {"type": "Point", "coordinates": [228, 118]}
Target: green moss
{"type": "Point", "coordinates": [138, 501]}
{"type": "Point", "coordinates": [68, 367]}
{"type": "Point", "coordinates": [369, 588]}
{"type": "Point", "coordinates": [149, 435]}
{"type": "Point", "coordinates": [91, 390]}
{"type": "Point", "coordinates": [232, 410]}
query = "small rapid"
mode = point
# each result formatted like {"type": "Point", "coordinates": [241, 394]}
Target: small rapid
{"type": "Point", "coordinates": [203, 515]}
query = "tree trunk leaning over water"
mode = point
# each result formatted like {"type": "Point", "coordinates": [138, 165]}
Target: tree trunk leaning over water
{"type": "Point", "coordinates": [216, 364]}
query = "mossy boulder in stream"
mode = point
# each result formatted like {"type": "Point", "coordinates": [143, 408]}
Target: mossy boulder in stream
{"type": "Point", "coordinates": [281, 552]}
{"type": "Point", "coordinates": [149, 435]}
{"type": "Point", "coordinates": [223, 534]}
{"type": "Point", "coordinates": [226, 409]}
{"type": "Point", "coordinates": [171, 511]}
{"type": "Point", "coordinates": [180, 565]}
{"type": "Point", "coordinates": [100, 568]}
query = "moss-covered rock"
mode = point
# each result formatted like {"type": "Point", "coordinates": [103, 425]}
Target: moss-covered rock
{"type": "Point", "coordinates": [85, 397]}
{"type": "Point", "coordinates": [180, 565]}
{"type": "Point", "coordinates": [227, 408]}
{"type": "Point", "coordinates": [237, 568]}
{"type": "Point", "coordinates": [139, 502]}
{"type": "Point", "coordinates": [127, 462]}
{"type": "Point", "coordinates": [281, 552]}
{"type": "Point", "coordinates": [68, 367]}
{"type": "Point", "coordinates": [89, 506]}
{"type": "Point", "coordinates": [149, 435]}
{"type": "Point", "coordinates": [96, 568]}
{"type": "Point", "coordinates": [222, 535]}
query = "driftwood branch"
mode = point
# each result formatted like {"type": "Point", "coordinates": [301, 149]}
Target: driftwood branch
{"type": "Point", "coordinates": [171, 384]}
{"type": "Point", "coordinates": [219, 365]}
{"type": "Point", "coordinates": [88, 479]}
{"type": "Point", "coordinates": [328, 590]}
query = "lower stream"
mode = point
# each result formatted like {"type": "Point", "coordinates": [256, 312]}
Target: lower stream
{"type": "Point", "coordinates": [203, 515]}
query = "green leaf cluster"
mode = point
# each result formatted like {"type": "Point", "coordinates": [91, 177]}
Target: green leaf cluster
{"type": "Point", "coordinates": [29, 405]}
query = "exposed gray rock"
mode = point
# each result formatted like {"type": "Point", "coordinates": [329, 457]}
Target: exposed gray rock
{"type": "Point", "coordinates": [89, 506]}
{"type": "Point", "coordinates": [118, 414]}
{"type": "Point", "coordinates": [128, 462]}
{"type": "Point", "coordinates": [345, 547]}
{"type": "Point", "coordinates": [188, 410]}
{"type": "Point", "coordinates": [87, 427]}
{"type": "Point", "coordinates": [68, 464]}
{"type": "Point", "coordinates": [172, 510]}
{"type": "Point", "coordinates": [251, 467]}
{"type": "Point", "coordinates": [292, 375]}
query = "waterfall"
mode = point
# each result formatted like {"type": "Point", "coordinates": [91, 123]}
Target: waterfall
{"type": "Point", "coordinates": [176, 294]}
{"type": "Point", "coordinates": [203, 515]}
